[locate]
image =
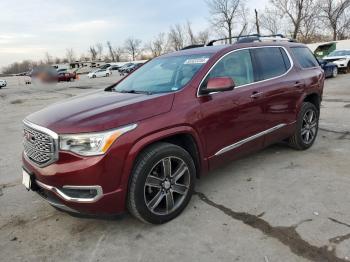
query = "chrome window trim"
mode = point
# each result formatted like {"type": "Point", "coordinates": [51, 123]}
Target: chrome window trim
{"type": "Point", "coordinates": [248, 139]}
{"type": "Point", "coordinates": [48, 132]}
{"type": "Point", "coordinates": [73, 199]}
{"type": "Point", "coordinates": [248, 48]}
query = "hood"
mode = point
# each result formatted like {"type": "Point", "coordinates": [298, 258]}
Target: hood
{"type": "Point", "coordinates": [101, 110]}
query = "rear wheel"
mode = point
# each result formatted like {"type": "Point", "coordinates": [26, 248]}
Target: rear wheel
{"type": "Point", "coordinates": [162, 183]}
{"type": "Point", "coordinates": [335, 72]}
{"type": "Point", "coordinates": [307, 127]}
{"type": "Point", "coordinates": [93, 76]}
{"type": "Point", "coordinates": [107, 75]}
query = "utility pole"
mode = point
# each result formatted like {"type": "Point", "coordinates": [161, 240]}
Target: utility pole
{"type": "Point", "coordinates": [257, 22]}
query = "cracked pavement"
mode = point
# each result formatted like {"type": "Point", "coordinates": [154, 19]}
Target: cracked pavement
{"type": "Point", "coordinates": [275, 205]}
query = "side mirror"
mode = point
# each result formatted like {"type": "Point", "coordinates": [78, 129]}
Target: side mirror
{"type": "Point", "coordinates": [218, 84]}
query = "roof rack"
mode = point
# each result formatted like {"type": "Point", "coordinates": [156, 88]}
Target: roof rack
{"type": "Point", "coordinates": [253, 38]}
{"type": "Point", "coordinates": [247, 39]}
{"type": "Point", "coordinates": [192, 46]}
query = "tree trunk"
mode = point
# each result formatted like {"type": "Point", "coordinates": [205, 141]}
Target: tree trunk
{"type": "Point", "coordinates": [229, 33]}
{"type": "Point", "coordinates": [334, 33]}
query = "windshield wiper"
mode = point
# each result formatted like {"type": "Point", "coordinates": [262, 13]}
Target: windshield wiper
{"type": "Point", "coordinates": [132, 91]}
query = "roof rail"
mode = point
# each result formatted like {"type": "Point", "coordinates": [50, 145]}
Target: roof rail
{"type": "Point", "coordinates": [192, 46]}
{"type": "Point", "coordinates": [253, 38]}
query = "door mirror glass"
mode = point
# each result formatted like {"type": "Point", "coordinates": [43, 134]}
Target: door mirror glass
{"type": "Point", "coordinates": [219, 84]}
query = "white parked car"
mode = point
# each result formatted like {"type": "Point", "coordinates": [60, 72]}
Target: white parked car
{"type": "Point", "coordinates": [341, 58]}
{"type": "Point", "coordinates": [3, 83]}
{"type": "Point", "coordinates": [99, 73]}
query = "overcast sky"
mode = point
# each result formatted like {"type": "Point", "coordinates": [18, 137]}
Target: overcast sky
{"type": "Point", "coordinates": [29, 28]}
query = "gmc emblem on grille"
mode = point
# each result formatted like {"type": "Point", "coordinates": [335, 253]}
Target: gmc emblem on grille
{"type": "Point", "coordinates": [28, 136]}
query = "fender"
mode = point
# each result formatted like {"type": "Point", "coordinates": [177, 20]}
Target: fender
{"type": "Point", "coordinates": [154, 137]}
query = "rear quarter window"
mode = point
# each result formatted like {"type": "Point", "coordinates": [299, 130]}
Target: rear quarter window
{"type": "Point", "coordinates": [305, 57]}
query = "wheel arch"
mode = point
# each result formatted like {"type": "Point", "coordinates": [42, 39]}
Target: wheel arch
{"type": "Point", "coordinates": [183, 136]}
{"type": "Point", "coordinates": [313, 98]}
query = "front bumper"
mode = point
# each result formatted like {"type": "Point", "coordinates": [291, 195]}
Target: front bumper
{"type": "Point", "coordinates": [341, 64]}
{"type": "Point", "coordinates": [63, 179]}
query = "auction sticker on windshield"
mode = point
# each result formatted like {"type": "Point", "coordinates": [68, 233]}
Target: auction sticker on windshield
{"type": "Point", "coordinates": [202, 60]}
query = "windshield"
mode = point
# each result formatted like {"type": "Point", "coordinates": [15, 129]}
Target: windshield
{"type": "Point", "coordinates": [162, 75]}
{"type": "Point", "coordinates": [340, 53]}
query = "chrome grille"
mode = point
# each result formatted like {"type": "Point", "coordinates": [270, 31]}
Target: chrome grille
{"type": "Point", "coordinates": [40, 147]}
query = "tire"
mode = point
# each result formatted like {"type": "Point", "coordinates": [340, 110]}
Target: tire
{"type": "Point", "coordinates": [107, 75]}
{"type": "Point", "coordinates": [94, 76]}
{"type": "Point", "coordinates": [347, 69]}
{"type": "Point", "coordinates": [153, 195]}
{"type": "Point", "coordinates": [307, 127]}
{"type": "Point", "coordinates": [334, 72]}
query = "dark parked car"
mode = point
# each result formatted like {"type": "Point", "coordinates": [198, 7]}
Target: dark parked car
{"type": "Point", "coordinates": [114, 68]}
{"type": "Point", "coordinates": [330, 69]}
{"type": "Point", "coordinates": [105, 66]}
{"type": "Point", "coordinates": [140, 144]}
{"type": "Point", "coordinates": [122, 70]}
{"type": "Point", "coordinates": [66, 76]}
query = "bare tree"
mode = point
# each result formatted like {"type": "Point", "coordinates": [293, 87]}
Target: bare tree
{"type": "Point", "coordinates": [48, 58]}
{"type": "Point", "coordinates": [191, 37]}
{"type": "Point", "coordinates": [118, 52]}
{"type": "Point", "coordinates": [99, 50]}
{"type": "Point", "coordinates": [132, 46]}
{"type": "Point", "coordinates": [224, 13]}
{"type": "Point", "coordinates": [111, 52]}
{"type": "Point", "coordinates": [203, 37]}
{"type": "Point", "coordinates": [270, 20]}
{"type": "Point", "coordinates": [176, 37]}
{"type": "Point", "coordinates": [70, 54]}
{"type": "Point", "coordinates": [336, 16]}
{"type": "Point", "coordinates": [158, 45]}
{"type": "Point", "coordinates": [93, 53]}
{"type": "Point", "coordinates": [310, 26]}
{"type": "Point", "coordinates": [296, 12]}
{"type": "Point", "coordinates": [57, 60]}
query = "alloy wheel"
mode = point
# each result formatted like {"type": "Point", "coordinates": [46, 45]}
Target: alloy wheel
{"type": "Point", "coordinates": [167, 185]}
{"type": "Point", "coordinates": [335, 71]}
{"type": "Point", "coordinates": [309, 126]}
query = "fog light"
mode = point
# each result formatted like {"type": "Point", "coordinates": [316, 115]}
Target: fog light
{"type": "Point", "coordinates": [79, 193]}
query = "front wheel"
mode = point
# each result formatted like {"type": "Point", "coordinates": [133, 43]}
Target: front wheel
{"type": "Point", "coordinates": [161, 183]}
{"type": "Point", "coordinates": [107, 75]}
{"type": "Point", "coordinates": [347, 70]}
{"type": "Point", "coordinates": [307, 127]}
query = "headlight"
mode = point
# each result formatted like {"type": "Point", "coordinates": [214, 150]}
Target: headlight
{"type": "Point", "coordinates": [92, 144]}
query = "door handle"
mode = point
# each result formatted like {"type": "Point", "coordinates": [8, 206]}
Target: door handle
{"type": "Point", "coordinates": [256, 94]}
{"type": "Point", "coordinates": [298, 84]}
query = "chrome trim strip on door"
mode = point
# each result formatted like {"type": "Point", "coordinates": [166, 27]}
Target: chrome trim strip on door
{"type": "Point", "coordinates": [252, 83]}
{"type": "Point", "coordinates": [248, 139]}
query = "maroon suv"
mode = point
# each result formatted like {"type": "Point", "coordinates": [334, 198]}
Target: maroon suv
{"type": "Point", "coordinates": [140, 144]}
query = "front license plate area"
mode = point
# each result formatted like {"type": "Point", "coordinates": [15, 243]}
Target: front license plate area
{"type": "Point", "coordinates": [26, 181]}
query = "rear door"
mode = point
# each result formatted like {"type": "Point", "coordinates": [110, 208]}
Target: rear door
{"type": "Point", "coordinates": [309, 69]}
{"type": "Point", "coordinates": [281, 88]}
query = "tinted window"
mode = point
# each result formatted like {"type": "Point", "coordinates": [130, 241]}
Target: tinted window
{"type": "Point", "coordinates": [237, 65]}
{"type": "Point", "coordinates": [271, 62]}
{"type": "Point", "coordinates": [304, 56]}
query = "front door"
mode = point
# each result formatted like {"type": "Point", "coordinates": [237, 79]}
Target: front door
{"type": "Point", "coordinates": [232, 120]}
